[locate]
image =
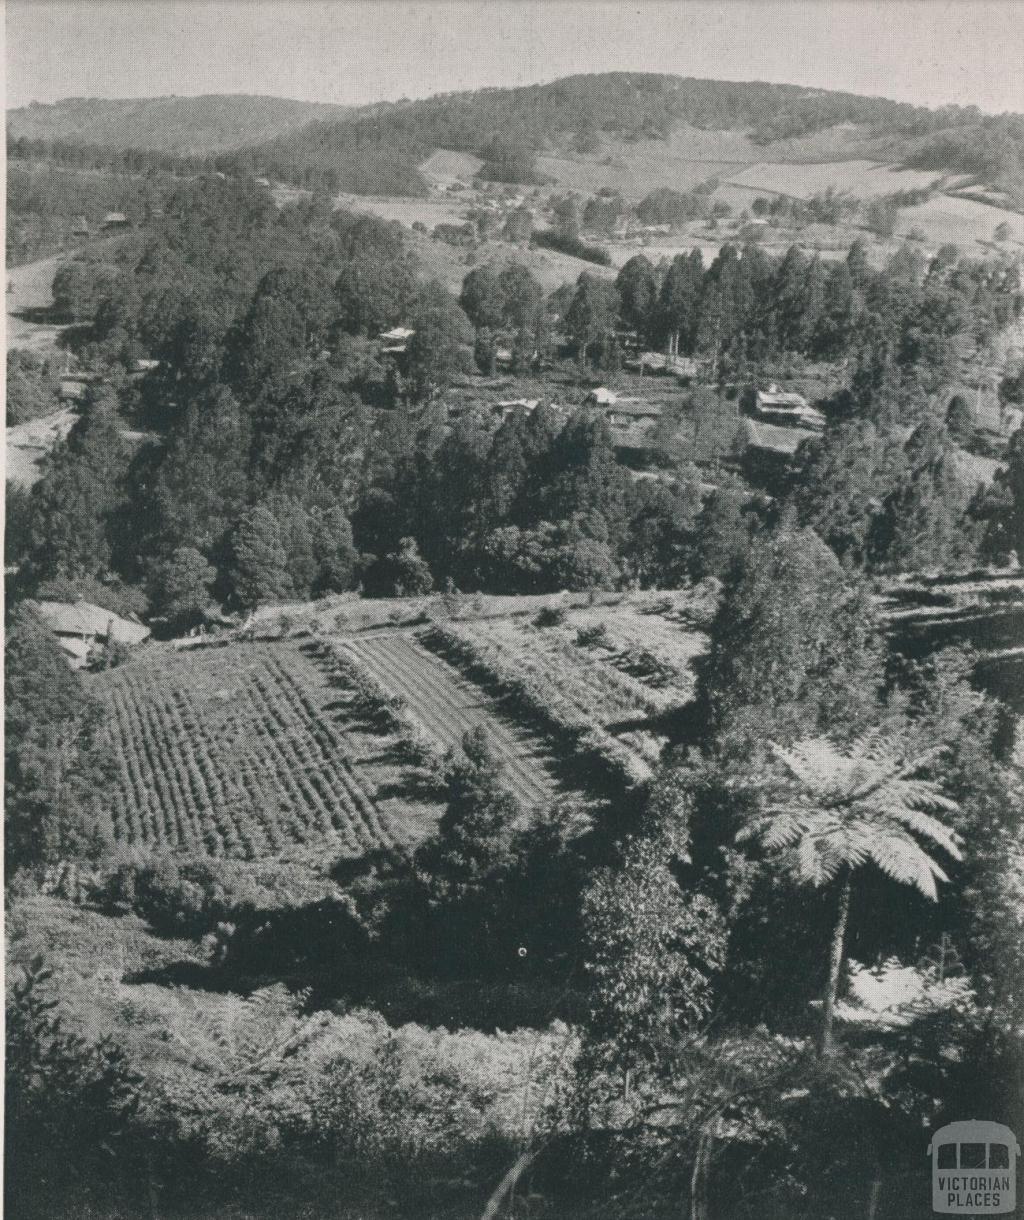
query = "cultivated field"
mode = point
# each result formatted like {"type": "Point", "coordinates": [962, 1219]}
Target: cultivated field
{"type": "Point", "coordinates": [447, 706]}
{"type": "Point", "coordinates": [240, 751]}
{"type": "Point", "coordinates": [318, 745]}
{"type": "Point", "coordinates": [585, 681]}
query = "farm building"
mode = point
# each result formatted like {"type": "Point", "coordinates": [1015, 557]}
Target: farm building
{"type": "Point", "coordinates": [79, 227]}
{"type": "Point", "coordinates": [635, 443]}
{"type": "Point", "coordinates": [683, 368]}
{"type": "Point", "coordinates": [81, 627]}
{"type": "Point", "coordinates": [601, 397]}
{"type": "Point", "coordinates": [73, 386]}
{"type": "Point", "coordinates": [114, 222]}
{"type": "Point", "coordinates": [503, 410]}
{"type": "Point", "coordinates": [144, 366]}
{"type": "Point", "coordinates": [768, 450]}
{"type": "Point", "coordinates": [395, 340]}
{"type": "Point", "coordinates": [71, 389]}
{"type": "Point", "coordinates": [776, 406]}
{"type": "Point", "coordinates": [627, 412]}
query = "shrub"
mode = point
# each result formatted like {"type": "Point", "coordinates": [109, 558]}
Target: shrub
{"type": "Point", "coordinates": [550, 616]}
{"type": "Point", "coordinates": [588, 637]}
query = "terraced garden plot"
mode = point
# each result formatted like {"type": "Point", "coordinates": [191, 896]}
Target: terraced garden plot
{"type": "Point", "coordinates": [657, 651]}
{"type": "Point", "coordinates": [447, 706]}
{"type": "Point", "coordinates": [581, 692]}
{"type": "Point", "coordinates": [234, 752]}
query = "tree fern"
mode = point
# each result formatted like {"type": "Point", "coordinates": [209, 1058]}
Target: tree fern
{"type": "Point", "coordinates": [839, 809]}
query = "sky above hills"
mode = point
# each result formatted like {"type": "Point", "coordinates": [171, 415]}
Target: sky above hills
{"type": "Point", "coordinates": [355, 51]}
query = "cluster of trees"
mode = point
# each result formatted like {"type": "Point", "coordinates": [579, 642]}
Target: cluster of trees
{"type": "Point", "coordinates": [43, 204]}
{"type": "Point", "coordinates": [267, 440]}
{"type": "Point", "coordinates": [538, 505]}
{"type": "Point", "coordinates": [260, 409]}
{"type": "Point", "coordinates": [991, 146]}
{"type": "Point", "coordinates": [31, 385]}
{"type": "Point", "coordinates": [747, 306]}
{"type": "Point", "coordinates": [55, 761]}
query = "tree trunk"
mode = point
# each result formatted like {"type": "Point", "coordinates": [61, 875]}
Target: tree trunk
{"type": "Point", "coordinates": [508, 1183]}
{"type": "Point", "coordinates": [699, 1179]}
{"type": "Point", "coordinates": [874, 1196]}
{"type": "Point", "coordinates": [835, 964]}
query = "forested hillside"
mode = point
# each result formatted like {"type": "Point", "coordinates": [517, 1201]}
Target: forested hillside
{"type": "Point", "coordinates": [185, 125]}
{"type": "Point", "coordinates": [507, 126]}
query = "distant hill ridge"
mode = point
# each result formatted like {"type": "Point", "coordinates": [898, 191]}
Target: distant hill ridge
{"type": "Point", "coordinates": [209, 123]}
{"type": "Point", "coordinates": [377, 149]}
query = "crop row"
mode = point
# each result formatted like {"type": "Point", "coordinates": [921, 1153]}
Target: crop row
{"type": "Point", "coordinates": [599, 690]}
{"type": "Point", "coordinates": [549, 697]}
{"type": "Point", "coordinates": [434, 696]}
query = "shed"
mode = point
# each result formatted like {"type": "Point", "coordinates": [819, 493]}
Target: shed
{"type": "Point", "coordinates": [114, 220]}
{"type": "Point", "coordinates": [81, 626]}
{"type": "Point", "coordinates": [395, 340]}
{"type": "Point", "coordinates": [601, 397]}
{"type": "Point", "coordinates": [625, 412]}
{"type": "Point", "coordinates": [787, 408]}
{"type": "Point", "coordinates": [71, 389]}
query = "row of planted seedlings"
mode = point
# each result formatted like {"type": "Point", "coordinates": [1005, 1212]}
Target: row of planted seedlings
{"type": "Point", "coordinates": [383, 710]}
{"type": "Point", "coordinates": [536, 699]}
{"type": "Point", "coordinates": [336, 750]}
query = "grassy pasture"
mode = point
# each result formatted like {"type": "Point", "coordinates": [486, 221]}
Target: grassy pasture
{"type": "Point", "coordinates": [30, 442]}
{"type": "Point", "coordinates": [445, 165]}
{"type": "Point", "coordinates": [864, 179]}
{"type": "Point", "coordinates": [632, 176]}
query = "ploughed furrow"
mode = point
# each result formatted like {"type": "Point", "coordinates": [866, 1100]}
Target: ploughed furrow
{"type": "Point", "coordinates": [448, 706]}
{"type": "Point", "coordinates": [232, 752]}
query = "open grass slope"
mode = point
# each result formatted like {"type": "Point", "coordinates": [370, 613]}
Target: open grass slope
{"type": "Point", "coordinates": [182, 125]}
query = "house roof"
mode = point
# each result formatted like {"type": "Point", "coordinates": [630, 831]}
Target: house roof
{"type": "Point", "coordinates": [72, 390]}
{"type": "Point", "coordinates": [633, 436]}
{"type": "Point", "coordinates": [115, 218]}
{"type": "Point", "coordinates": [397, 334]}
{"type": "Point", "coordinates": [973, 469]}
{"type": "Point", "coordinates": [85, 619]}
{"type": "Point", "coordinates": [639, 410]}
{"type": "Point", "coordinates": [991, 416]}
{"type": "Point", "coordinates": [603, 396]}
{"type": "Point", "coordinates": [770, 438]}
{"type": "Point", "coordinates": [780, 398]}
{"type": "Point", "coordinates": [78, 649]}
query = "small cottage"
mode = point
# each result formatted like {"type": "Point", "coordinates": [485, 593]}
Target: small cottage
{"type": "Point", "coordinates": [81, 628]}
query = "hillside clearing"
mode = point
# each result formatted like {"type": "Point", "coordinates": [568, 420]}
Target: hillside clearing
{"type": "Point", "coordinates": [30, 442]}
{"type": "Point", "coordinates": [864, 179]}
